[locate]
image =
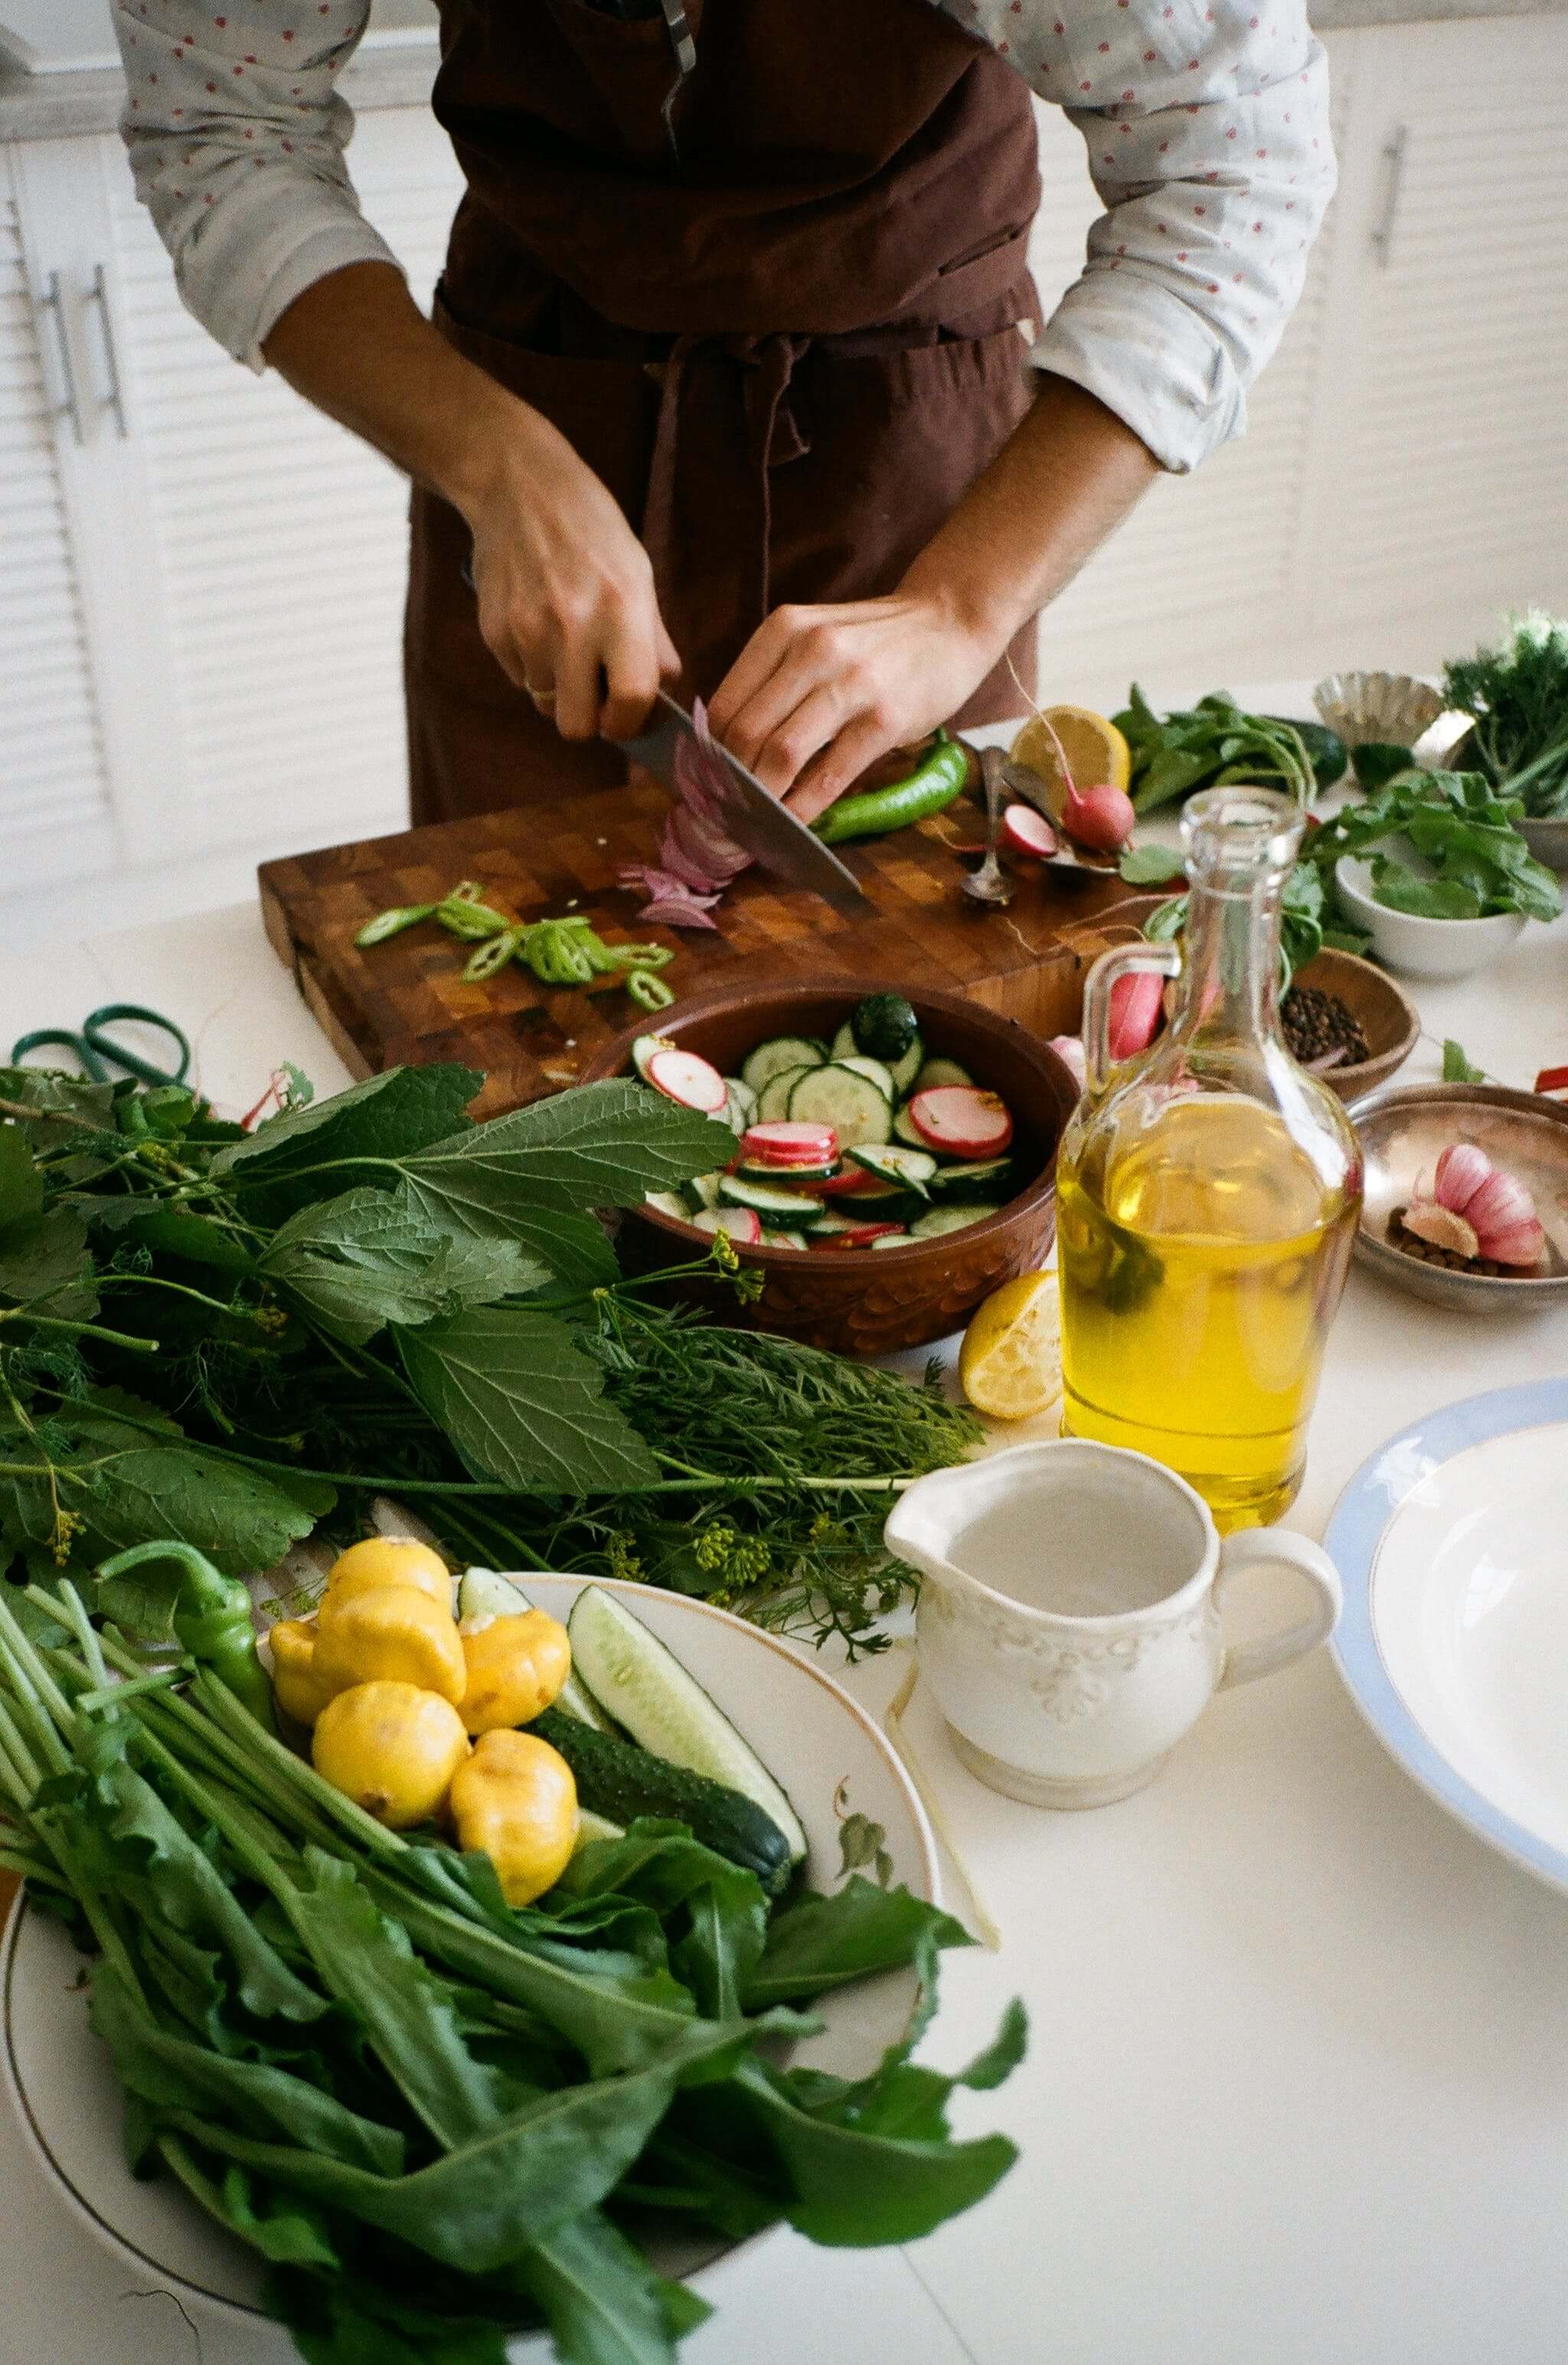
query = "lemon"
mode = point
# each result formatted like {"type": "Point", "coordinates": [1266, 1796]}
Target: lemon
{"type": "Point", "coordinates": [1010, 1362]}
{"type": "Point", "coordinates": [1095, 750]}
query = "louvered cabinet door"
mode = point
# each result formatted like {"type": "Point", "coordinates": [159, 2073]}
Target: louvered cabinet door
{"type": "Point", "coordinates": [55, 814]}
{"type": "Point", "coordinates": [1203, 586]}
{"type": "Point", "coordinates": [278, 540]}
{"type": "Point", "coordinates": [1440, 489]}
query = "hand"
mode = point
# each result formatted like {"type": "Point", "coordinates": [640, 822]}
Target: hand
{"type": "Point", "coordinates": [565, 590]}
{"type": "Point", "coordinates": [817, 694]}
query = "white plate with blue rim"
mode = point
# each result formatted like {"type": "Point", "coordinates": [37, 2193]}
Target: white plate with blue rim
{"type": "Point", "coordinates": [833, 1760]}
{"type": "Point", "coordinates": [1453, 1545]}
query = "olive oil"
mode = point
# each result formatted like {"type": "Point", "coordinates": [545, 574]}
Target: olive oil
{"type": "Point", "coordinates": [1201, 1259]}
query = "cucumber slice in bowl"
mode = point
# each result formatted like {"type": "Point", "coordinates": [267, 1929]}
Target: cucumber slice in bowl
{"type": "Point", "coordinates": [951, 1219]}
{"type": "Point", "coordinates": [635, 1680]}
{"type": "Point", "coordinates": [669, 1203]}
{"type": "Point", "coordinates": [875, 1071]}
{"type": "Point", "coordinates": [778, 1054]}
{"type": "Point", "coordinates": [941, 1072]}
{"type": "Point", "coordinates": [773, 1100]}
{"type": "Point", "coordinates": [644, 1049]}
{"type": "Point", "coordinates": [904, 1071]}
{"type": "Point", "coordinates": [858, 1109]}
{"type": "Point", "coordinates": [894, 1163]}
{"type": "Point", "coordinates": [768, 1200]}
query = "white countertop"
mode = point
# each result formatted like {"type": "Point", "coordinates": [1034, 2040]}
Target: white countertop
{"type": "Point", "coordinates": [1297, 2091]}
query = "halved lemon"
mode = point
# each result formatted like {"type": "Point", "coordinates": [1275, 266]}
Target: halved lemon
{"type": "Point", "coordinates": [1095, 750]}
{"type": "Point", "coordinates": [1010, 1362]}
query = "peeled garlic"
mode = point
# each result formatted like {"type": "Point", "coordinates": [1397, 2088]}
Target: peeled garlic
{"type": "Point", "coordinates": [1476, 1209]}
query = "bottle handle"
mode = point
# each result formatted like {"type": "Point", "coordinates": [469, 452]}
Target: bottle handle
{"type": "Point", "coordinates": [1122, 960]}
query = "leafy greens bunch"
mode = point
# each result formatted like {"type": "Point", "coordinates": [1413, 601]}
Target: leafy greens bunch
{"type": "Point", "coordinates": [1206, 745]}
{"type": "Point", "coordinates": [222, 1339]}
{"type": "Point", "coordinates": [437, 2119]}
{"type": "Point", "coordinates": [1518, 696]}
{"type": "Point", "coordinates": [1462, 830]}
{"type": "Point", "coordinates": [1310, 916]}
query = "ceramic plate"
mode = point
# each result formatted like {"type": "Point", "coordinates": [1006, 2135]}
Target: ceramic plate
{"type": "Point", "coordinates": [1454, 1636]}
{"type": "Point", "coordinates": [831, 1759]}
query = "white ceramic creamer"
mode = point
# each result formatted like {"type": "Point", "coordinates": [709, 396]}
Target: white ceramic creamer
{"type": "Point", "coordinates": [1070, 1617]}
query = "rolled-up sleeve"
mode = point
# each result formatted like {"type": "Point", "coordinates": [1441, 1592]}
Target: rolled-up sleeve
{"type": "Point", "coordinates": [237, 135]}
{"type": "Point", "coordinates": [1206, 125]}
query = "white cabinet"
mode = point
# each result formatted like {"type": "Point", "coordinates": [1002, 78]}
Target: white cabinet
{"type": "Point", "coordinates": [218, 570]}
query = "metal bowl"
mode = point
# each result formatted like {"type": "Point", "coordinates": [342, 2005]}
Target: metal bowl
{"type": "Point", "coordinates": [1547, 840]}
{"type": "Point", "coordinates": [1403, 1130]}
{"type": "Point", "coordinates": [1394, 708]}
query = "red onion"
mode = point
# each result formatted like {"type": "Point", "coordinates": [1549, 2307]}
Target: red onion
{"type": "Point", "coordinates": [697, 860]}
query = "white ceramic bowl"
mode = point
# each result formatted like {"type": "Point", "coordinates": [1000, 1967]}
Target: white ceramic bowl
{"type": "Point", "coordinates": [1420, 948]}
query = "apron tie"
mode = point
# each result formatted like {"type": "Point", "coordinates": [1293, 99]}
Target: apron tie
{"type": "Point", "coordinates": [773, 436]}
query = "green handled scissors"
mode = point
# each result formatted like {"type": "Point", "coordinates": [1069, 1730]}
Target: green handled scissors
{"type": "Point", "coordinates": [97, 1051]}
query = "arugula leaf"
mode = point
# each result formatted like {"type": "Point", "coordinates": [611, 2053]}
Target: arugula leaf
{"type": "Point", "coordinates": [289, 2232]}
{"type": "Point", "coordinates": [1150, 866]}
{"type": "Point", "coordinates": [21, 1185]}
{"type": "Point", "coordinates": [820, 1941]}
{"type": "Point", "coordinates": [601, 1146]}
{"type": "Point", "coordinates": [521, 1404]}
{"type": "Point", "coordinates": [603, 2302]}
{"type": "Point", "coordinates": [1457, 1067]}
{"type": "Point", "coordinates": [351, 2322]}
{"type": "Point", "coordinates": [388, 1116]}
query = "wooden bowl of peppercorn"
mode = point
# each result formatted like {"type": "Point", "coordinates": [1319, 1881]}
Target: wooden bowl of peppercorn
{"type": "Point", "coordinates": [1385, 1020]}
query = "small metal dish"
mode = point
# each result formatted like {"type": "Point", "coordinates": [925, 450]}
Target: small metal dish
{"type": "Point", "coordinates": [1547, 840]}
{"type": "Point", "coordinates": [1403, 1129]}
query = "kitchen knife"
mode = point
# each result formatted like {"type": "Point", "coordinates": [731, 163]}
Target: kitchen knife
{"type": "Point", "coordinates": [769, 831]}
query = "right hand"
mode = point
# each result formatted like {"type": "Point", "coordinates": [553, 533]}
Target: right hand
{"type": "Point", "coordinates": [565, 590]}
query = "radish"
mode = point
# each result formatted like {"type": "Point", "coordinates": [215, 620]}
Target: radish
{"type": "Point", "coordinates": [1100, 818]}
{"type": "Point", "coordinates": [743, 1224]}
{"type": "Point", "coordinates": [1068, 1050]}
{"type": "Point", "coordinates": [781, 1143]}
{"type": "Point", "coordinates": [859, 1237]}
{"type": "Point", "coordinates": [691, 1083]}
{"type": "Point", "coordinates": [962, 1120]}
{"type": "Point", "coordinates": [1027, 832]}
{"type": "Point", "coordinates": [1135, 1004]}
{"type": "Point", "coordinates": [845, 1181]}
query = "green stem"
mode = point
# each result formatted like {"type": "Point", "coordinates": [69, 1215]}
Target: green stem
{"type": "Point", "coordinates": [81, 1330]}
{"type": "Point", "coordinates": [226, 1711]}
{"type": "Point", "coordinates": [119, 1694]}
{"type": "Point", "coordinates": [179, 1288]}
{"type": "Point", "coordinates": [31, 1867]}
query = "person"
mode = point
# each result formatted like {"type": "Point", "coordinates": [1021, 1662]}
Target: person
{"type": "Point", "coordinates": [736, 377]}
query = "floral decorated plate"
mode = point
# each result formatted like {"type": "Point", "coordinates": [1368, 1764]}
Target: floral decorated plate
{"type": "Point", "coordinates": [827, 1753]}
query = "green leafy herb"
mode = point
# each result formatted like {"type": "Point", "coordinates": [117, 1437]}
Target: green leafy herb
{"type": "Point", "coordinates": [1215, 741]}
{"type": "Point", "coordinates": [1518, 694]}
{"type": "Point", "coordinates": [1457, 1069]}
{"type": "Point", "coordinates": [1477, 862]}
{"type": "Point", "coordinates": [1151, 865]}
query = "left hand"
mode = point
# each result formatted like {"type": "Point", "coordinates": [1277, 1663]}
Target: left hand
{"type": "Point", "coordinates": [817, 694]}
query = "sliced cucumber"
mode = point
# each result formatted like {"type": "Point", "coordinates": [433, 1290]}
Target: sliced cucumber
{"type": "Point", "coordinates": [592, 1827]}
{"type": "Point", "coordinates": [643, 1048]}
{"type": "Point", "coordinates": [878, 1071]}
{"type": "Point", "coordinates": [829, 1221]}
{"type": "Point", "coordinates": [670, 1203]}
{"type": "Point", "coordinates": [739, 1090]}
{"type": "Point", "coordinates": [740, 1104]}
{"type": "Point", "coordinates": [773, 1100]}
{"type": "Point", "coordinates": [896, 1162]}
{"type": "Point", "coordinates": [951, 1219]}
{"type": "Point", "coordinates": [619, 1781]}
{"type": "Point", "coordinates": [781, 1175]}
{"type": "Point", "coordinates": [779, 1052]}
{"type": "Point", "coordinates": [784, 1240]}
{"type": "Point", "coordinates": [704, 1188]}
{"type": "Point", "coordinates": [904, 1071]}
{"type": "Point", "coordinates": [858, 1109]}
{"type": "Point", "coordinates": [482, 1593]}
{"type": "Point", "coordinates": [844, 1042]}
{"type": "Point", "coordinates": [906, 1130]}
{"type": "Point", "coordinates": [941, 1072]}
{"type": "Point", "coordinates": [976, 1170]}
{"type": "Point", "coordinates": [892, 1241]}
{"type": "Point", "coordinates": [634, 1679]}
{"type": "Point", "coordinates": [767, 1199]}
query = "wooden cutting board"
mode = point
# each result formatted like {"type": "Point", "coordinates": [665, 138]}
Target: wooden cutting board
{"type": "Point", "coordinates": [406, 1001]}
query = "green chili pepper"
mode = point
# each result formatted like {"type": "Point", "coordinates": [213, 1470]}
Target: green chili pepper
{"type": "Point", "coordinates": [493, 954]}
{"type": "Point", "coordinates": [929, 788]}
{"type": "Point", "coordinates": [555, 957]}
{"type": "Point", "coordinates": [393, 923]}
{"type": "Point", "coordinates": [648, 992]}
{"type": "Point", "coordinates": [639, 956]}
{"type": "Point", "coordinates": [211, 1620]}
{"type": "Point", "coordinates": [471, 921]}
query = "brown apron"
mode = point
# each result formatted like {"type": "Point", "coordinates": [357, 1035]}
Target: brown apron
{"type": "Point", "coordinates": [788, 350]}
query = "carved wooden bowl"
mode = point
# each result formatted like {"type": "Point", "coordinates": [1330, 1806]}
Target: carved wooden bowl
{"type": "Point", "coordinates": [857, 1300]}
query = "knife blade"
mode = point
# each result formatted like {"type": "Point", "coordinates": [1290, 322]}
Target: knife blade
{"type": "Point", "coordinates": [769, 831]}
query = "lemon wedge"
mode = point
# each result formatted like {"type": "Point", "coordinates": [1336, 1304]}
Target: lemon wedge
{"type": "Point", "coordinates": [1010, 1362]}
{"type": "Point", "coordinates": [1095, 750]}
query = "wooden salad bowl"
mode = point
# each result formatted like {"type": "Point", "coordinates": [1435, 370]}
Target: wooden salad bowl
{"type": "Point", "coordinates": [857, 1301]}
{"type": "Point", "coordinates": [1390, 1020]}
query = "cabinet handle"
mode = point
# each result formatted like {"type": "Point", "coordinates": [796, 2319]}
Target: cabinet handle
{"type": "Point", "coordinates": [1393, 156]}
{"type": "Point", "coordinates": [53, 302]}
{"type": "Point", "coordinates": [114, 401]}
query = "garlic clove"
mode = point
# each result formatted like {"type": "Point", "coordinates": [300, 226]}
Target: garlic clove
{"type": "Point", "coordinates": [1499, 1204]}
{"type": "Point", "coordinates": [1462, 1170]}
{"type": "Point", "coordinates": [1440, 1228]}
{"type": "Point", "coordinates": [1520, 1244]}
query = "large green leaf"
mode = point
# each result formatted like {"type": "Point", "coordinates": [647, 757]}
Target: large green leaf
{"type": "Point", "coordinates": [388, 1116]}
{"type": "Point", "coordinates": [21, 1184]}
{"type": "Point", "coordinates": [600, 1146]}
{"type": "Point", "coordinates": [369, 1258]}
{"type": "Point", "coordinates": [604, 2303]}
{"type": "Point", "coordinates": [521, 1404]}
{"type": "Point", "coordinates": [44, 1263]}
{"type": "Point", "coordinates": [820, 1941]}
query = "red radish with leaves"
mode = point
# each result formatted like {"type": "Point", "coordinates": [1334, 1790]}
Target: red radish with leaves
{"type": "Point", "coordinates": [962, 1120]}
{"type": "Point", "coordinates": [690, 1081]}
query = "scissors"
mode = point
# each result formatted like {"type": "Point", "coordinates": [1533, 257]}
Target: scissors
{"type": "Point", "coordinates": [97, 1051]}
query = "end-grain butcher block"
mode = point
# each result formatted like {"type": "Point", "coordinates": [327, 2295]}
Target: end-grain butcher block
{"type": "Point", "coordinates": [406, 1000]}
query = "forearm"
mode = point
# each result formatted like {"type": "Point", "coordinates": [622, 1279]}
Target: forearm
{"type": "Point", "coordinates": [1065, 480]}
{"type": "Point", "coordinates": [357, 346]}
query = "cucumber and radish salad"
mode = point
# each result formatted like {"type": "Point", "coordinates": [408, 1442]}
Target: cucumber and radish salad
{"type": "Point", "coordinates": [862, 1141]}
{"type": "Point", "coordinates": [643, 1738]}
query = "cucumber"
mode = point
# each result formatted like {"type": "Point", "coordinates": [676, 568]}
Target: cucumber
{"type": "Point", "coordinates": [941, 1072]}
{"type": "Point", "coordinates": [904, 1071]}
{"type": "Point", "coordinates": [884, 1025]}
{"type": "Point", "coordinates": [779, 1175]}
{"type": "Point", "coordinates": [858, 1109]}
{"type": "Point", "coordinates": [740, 1104]}
{"type": "Point", "coordinates": [773, 1100]}
{"type": "Point", "coordinates": [907, 1131]}
{"type": "Point", "coordinates": [784, 1240]}
{"type": "Point", "coordinates": [951, 1219]}
{"type": "Point", "coordinates": [481, 1593]}
{"type": "Point", "coordinates": [619, 1781]}
{"type": "Point", "coordinates": [592, 1827]}
{"type": "Point", "coordinates": [740, 1092]}
{"type": "Point", "coordinates": [843, 1042]}
{"type": "Point", "coordinates": [902, 1166]}
{"type": "Point", "coordinates": [766, 1198]}
{"type": "Point", "coordinates": [634, 1679]}
{"type": "Point", "coordinates": [974, 1170]}
{"type": "Point", "coordinates": [670, 1203]}
{"type": "Point", "coordinates": [643, 1048]}
{"type": "Point", "coordinates": [704, 1188]}
{"type": "Point", "coordinates": [892, 1241]}
{"type": "Point", "coordinates": [772, 1058]}
{"type": "Point", "coordinates": [876, 1071]}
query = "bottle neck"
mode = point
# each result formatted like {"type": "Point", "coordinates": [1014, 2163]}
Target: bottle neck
{"type": "Point", "coordinates": [1232, 959]}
